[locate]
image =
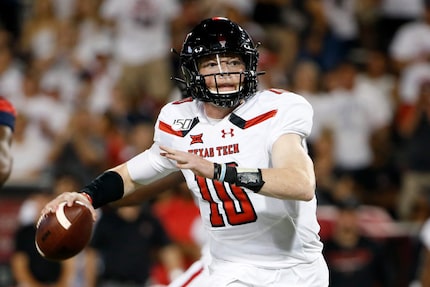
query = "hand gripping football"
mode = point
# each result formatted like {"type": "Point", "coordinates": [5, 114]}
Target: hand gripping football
{"type": "Point", "coordinates": [63, 234]}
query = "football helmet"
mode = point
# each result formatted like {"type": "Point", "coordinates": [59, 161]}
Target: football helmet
{"type": "Point", "coordinates": [218, 36]}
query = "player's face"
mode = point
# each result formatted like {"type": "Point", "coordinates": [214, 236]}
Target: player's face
{"type": "Point", "coordinates": [223, 73]}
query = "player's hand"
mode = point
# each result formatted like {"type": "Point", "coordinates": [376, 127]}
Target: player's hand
{"type": "Point", "coordinates": [185, 160]}
{"type": "Point", "coordinates": [68, 197]}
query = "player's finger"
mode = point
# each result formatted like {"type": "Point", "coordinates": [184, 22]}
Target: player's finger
{"type": "Point", "coordinates": [166, 149]}
{"type": "Point", "coordinates": [171, 151]}
{"type": "Point", "coordinates": [69, 198]}
{"type": "Point", "coordinates": [49, 208]}
{"type": "Point", "coordinates": [168, 153]}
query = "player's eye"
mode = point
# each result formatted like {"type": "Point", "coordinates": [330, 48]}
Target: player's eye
{"type": "Point", "coordinates": [209, 64]}
{"type": "Point", "coordinates": [234, 63]}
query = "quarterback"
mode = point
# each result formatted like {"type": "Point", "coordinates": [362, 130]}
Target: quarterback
{"type": "Point", "coordinates": [243, 155]}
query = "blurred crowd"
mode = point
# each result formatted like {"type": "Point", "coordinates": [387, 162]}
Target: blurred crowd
{"type": "Point", "coordinates": [88, 78]}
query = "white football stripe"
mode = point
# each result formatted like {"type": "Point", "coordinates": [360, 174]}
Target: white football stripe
{"type": "Point", "coordinates": [39, 250]}
{"type": "Point", "coordinates": [61, 216]}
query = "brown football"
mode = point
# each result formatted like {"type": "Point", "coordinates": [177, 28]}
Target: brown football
{"type": "Point", "coordinates": [63, 234]}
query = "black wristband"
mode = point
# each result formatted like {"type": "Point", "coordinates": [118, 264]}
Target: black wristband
{"type": "Point", "coordinates": [249, 178]}
{"type": "Point", "coordinates": [106, 188]}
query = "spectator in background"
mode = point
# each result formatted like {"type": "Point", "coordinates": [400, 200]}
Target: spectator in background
{"type": "Point", "coordinates": [391, 15]}
{"type": "Point", "coordinates": [89, 28]}
{"type": "Point", "coordinates": [419, 244]}
{"type": "Point", "coordinates": [356, 114]}
{"type": "Point", "coordinates": [128, 263]}
{"type": "Point", "coordinates": [411, 42]}
{"type": "Point", "coordinates": [64, 9]}
{"type": "Point", "coordinates": [98, 79]}
{"type": "Point", "coordinates": [354, 260]}
{"type": "Point", "coordinates": [10, 18]}
{"type": "Point", "coordinates": [29, 167]}
{"type": "Point", "coordinates": [37, 98]}
{"type": "Point", "coordinates": [192, 11]}
{"type": "Point", "coordinates": [270, 12]}
{"type": "Point", "coordinates": [10, 73]}
{"type": "Point", "coordinates": [40, 34]}
{"type": "Point", "coordinates": [280, 42]}
{"type": "Point", "coordinates": [318, 41]}
{"type": "Point", "coordinates": [61, 74]}
{"type": "Point", "coordinates": [79, 147]}
{"type": "Point", "coordinates": [306, 81]}
{"type": "Point", "coordinates": [409, 84]}
{"type": "Point", "coordinates": [109, 129]}
{"type": "Point", "coordinates": [415, 131]}
{"type": "Point", "coordinates": [424, 275]}
{"type": "Point", "coordinates": [141, 46]}
{"type": "Point", "coordinates": [342, 18]}
{"type": "Point", "coordinates": [410, 53]}
{"type": "Point", "coordinates": [376, 74]}
{"type": "Point", "coordinates": [322, 155]}
{"type": "Point", "coordinates": [139, 137]}
{"type": "Point", "coordinates": [337, 189]}
{"type": "Point", "coordinates": [184, 228]}
{"type": "Point", "coordinates": [7, 125]}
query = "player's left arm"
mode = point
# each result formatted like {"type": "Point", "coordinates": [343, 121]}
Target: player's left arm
{"type": "Point", "coordinates": [292, 175]}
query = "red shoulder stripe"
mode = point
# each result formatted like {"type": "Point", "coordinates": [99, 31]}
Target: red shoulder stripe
{"type": "Point", "coordinates": [243, 124]}
{"type": "Point", "coordinates": [168, 129]}
{"type": "Point", "coordinates": [278, 91]}
{"type": "Point", "coordinates": [260, 118]}
{"type": "Point", "coordinates": [185, 100]}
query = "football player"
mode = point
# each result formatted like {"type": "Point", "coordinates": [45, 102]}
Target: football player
{"type": "Point", "coordinates": [243, 155]}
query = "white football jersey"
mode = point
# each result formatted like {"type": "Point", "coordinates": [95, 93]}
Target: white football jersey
{"type": "Point", "coordinates": [243, 226]}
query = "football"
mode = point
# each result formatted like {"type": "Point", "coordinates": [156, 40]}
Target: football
{"type": "Point", "coordinates": [63, 234]}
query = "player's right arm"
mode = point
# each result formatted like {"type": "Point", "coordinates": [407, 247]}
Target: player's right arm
{"type": "Point", "coordinates": [116, 174]}
{"type": "Point", "coordinates": [149, 191]}
{"type": "Point", "coordinates": [292, 175]}
{"type": "Point", "coordinates": [118, 182]}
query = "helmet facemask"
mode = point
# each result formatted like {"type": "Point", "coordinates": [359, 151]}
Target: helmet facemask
{"type": "Point", "coordinates": [226, 73]}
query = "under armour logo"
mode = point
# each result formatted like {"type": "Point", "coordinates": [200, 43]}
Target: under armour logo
{"type": "Point", "coordinates": [196, 139]}
{"type": "Point", "coordinates": [224, 133]}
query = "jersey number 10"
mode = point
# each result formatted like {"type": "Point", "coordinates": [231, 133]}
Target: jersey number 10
{"type": "Point", "coordinates": [236, 204]}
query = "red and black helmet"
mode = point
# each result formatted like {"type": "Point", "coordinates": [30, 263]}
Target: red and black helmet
{"type": "Point", "coordinates": [218, 36]}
